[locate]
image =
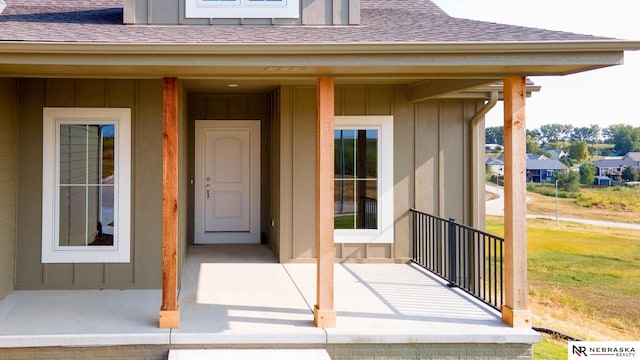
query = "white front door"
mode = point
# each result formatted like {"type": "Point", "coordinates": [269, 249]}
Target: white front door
{"type": "Point", "coordinates": [227, 183]}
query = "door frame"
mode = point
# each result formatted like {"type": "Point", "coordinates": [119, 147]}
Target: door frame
{"type": "Point", "coordinates": [201, 236]}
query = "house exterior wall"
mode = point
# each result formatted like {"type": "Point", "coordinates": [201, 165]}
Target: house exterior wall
{"type": "Point", "coordinates": [144, 97]}
{"type": "Point", "coordinates": [432, 170]}
{"type": "Point", "coordinates": [172, 12]}
{"type": "Point", "coordinates": [432, 165]}
{"type": "Point", "coordinates": [8, 184]}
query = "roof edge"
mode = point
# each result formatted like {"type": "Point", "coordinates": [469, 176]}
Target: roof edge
{"type": "Point", "coordinates": [317, 48]}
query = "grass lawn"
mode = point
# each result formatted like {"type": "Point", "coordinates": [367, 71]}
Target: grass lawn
{"type": "Point", "coordinates": [584, 280]}
{"type": "Point", "coordinates": [550, 349]}
{"type": "Point", "coordinates": [611, 204]}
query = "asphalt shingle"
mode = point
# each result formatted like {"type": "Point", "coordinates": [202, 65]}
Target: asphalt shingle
{"type": "Point", "coordinates": [382, 21]}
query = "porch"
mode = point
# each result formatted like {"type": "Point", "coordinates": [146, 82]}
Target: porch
{"type": "Point", "coordinates": [238, 296]}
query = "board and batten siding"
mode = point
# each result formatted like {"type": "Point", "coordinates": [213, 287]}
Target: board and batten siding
{"type": "Point", "coordinates": [432, 168]}
{"type": "Point", "coordinates": [8, 183]}
{"type": "Point", "coordinates": [172, 12]}
{"type": "Point", "coordinates": [144, 98]}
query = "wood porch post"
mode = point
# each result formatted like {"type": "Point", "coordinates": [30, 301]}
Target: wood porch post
{"type": "Point", "coordinates": [515, 310]}
{"type": "Point", "coordinates": [170, 311]}
{"type": "Point", "coordinates": [324, 315]}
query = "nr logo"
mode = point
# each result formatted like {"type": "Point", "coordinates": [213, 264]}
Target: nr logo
{"type": "Point", "coordinates": [580, 350]}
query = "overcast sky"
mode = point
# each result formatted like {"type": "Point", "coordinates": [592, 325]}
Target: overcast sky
{"type": "Point", "coordinates": [605, 96]}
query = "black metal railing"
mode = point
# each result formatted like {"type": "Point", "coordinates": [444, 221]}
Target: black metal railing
{"type": "Point", "coordinates": [370, 212]}
{"type": "Point", "coordinates": [467, 258]}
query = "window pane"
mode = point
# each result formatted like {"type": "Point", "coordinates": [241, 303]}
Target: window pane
{"type": "Point", "coordinates": [93, 154]}
{"type": "Point", "coordinates": [87, 160]}
{"type": "Point", "coordinates": [368, 206]}
{"type": "Point", "coordinates": [368, 154]}
{"type": "Point", "coordinates": [73, 148]}
{"type": "Point", "coordinates": [356, 184]}
{"type": "Point", "coordinates": [102, 220]}
{"type": "Point", "coordinates": [344, 204]}
{"type": "Point", "coordinates": [72, 216]}
{"type": "Point", "coordinates": [107, 134]}
{"type": "Point", "coordinates": [344, 153]}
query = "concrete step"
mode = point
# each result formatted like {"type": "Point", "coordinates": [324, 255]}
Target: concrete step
{"type": "Point", "coordinates": [249, 354]}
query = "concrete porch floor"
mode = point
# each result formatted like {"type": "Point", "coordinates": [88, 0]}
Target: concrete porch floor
{"type": "Point", "coordinates": [240, 295]}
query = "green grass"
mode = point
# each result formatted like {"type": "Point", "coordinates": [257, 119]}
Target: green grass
{"type": "Point", "coordinates": [584, 272]}
{"type": "Point", "coordinates": [615, 198]}
{"type": "Point", "coordinates": [344, 221]}
{"type": "Point", "coordinates": [550, 349]}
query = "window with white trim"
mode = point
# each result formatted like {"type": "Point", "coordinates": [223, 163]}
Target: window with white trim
{"type": "Point", "coordinates": [86, 185]}
{"type": "Point", "coordinates": [242, 8]}
{"type": "Point", "coordinates": [363, 179]}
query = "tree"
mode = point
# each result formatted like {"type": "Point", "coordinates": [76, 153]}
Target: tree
{"type": "Point", "coordinates": [494, 135]}
{"type": "Point", "coordinates": [587, 173]}
{"type": "Point", "coordinates": [555, 132]}
{"type": "Point", "coordinates": [579, 151]}
{"type": "Point", "coordinates": [625, 138]}
{"type": "Point", "coordinates": [589, 134]}
{"type": "Point", "coordinates": [551, 132]}
{"type": "Point", "coordinates": [568, 180]}
{"type": "Point", "coordinates": [594, 134]}
{"type": "Point", "coordinates": [533, 146]}
{"type": "Point", "coordinates": [629, 174]}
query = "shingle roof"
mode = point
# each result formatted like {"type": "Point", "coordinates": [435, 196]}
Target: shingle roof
{"type": "Point", "coordinates": [382, 21]}
{"type": "Point", "coordinates": [635, 156]}
{"type": "Point", "coordinates": [494, 161]}
{"type": "Point", "coordinates": [611, 163]}
{"type": "Point", "coordinates": [545, 165]}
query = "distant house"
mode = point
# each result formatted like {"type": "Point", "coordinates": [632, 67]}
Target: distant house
{"type": "Point", "coordinates": [633, 158]}
{"type": "Point", "coordinates": [612, 167]}
{"type": "Point", "coordinates": [537, 157]}
{"type": "Point", "coordinates": [557, 154]}
{"type": "Point", "coordinates": [496, 165]}
{"type": "Point", "coordinates": [543, 170]}
{"type": "Point", "coordinates": [602, 180]}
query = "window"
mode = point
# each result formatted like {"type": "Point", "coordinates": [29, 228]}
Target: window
{"type": "Point", "coordinates": [363, 179]}
{"type": "Point", "coordinates": [242, 8]}
{"type": "Point", "coordinates": [86, 185]}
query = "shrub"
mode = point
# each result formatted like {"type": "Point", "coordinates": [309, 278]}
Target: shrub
{"type": "Point", "coordinates": [550, 191]}
{"type": "Point", "coordinates": [587, 173]}
{"type": "Point", "coordinates": [568, 180]}
{"type": "Point", "coordinates": [629, 174]}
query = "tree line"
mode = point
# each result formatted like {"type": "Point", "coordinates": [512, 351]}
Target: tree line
{"type": "Point", "coordinates": [624, 137]}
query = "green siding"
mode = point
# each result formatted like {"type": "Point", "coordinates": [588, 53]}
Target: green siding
{"type": "Point", "coordinates": [145, 100]}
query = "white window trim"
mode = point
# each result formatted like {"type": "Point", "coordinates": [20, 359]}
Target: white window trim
{"type": "Point", "coordinates": [120, 251]}
{"type": "Point", "coordinates": [242, 9]}
{"type": "Point", "coordinates": [385, 232]}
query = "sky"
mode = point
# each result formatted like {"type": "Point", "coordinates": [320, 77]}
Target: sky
{"type": "Point", "coordinates": [605, 96]}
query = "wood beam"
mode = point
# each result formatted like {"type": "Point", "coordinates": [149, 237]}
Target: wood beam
{"type": "Point", "coordinates": [428, 89]}
{"type": "Point", "coordinates": [170, 312]}
{"type": "Point", "coordinates": [515, 310]}
{"type": "Point", "coordinates": [324, 312]}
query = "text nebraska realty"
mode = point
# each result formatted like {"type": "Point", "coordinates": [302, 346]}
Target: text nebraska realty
{"type": "Point", "coordinates": [622, 351]}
